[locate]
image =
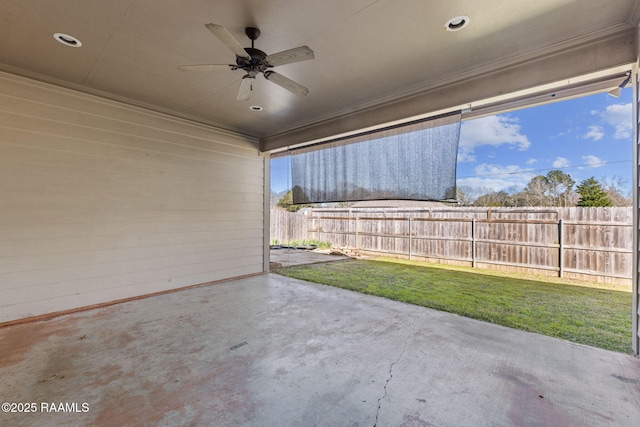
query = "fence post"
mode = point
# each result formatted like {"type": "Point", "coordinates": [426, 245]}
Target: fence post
{"type": "Point", "coordinates": [560, 249]}
{"type": "Point", "coordinates": [473, 242]}
{"type": "Point", "coordinates": [356, 244]}
{"type": "Point", "coordinates": [409, 238]}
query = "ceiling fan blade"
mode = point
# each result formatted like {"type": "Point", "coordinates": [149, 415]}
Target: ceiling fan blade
{"type": "Point", "coordinates": [286, 83]}
{"type": "Point", "coordinates": [245, 89]}
{"type": "Point", "coordinates": [225, 37]}
{"type": "Point", "coordinates": [302, 53]}
{"type": "Point", "coordinates": [206, 67]}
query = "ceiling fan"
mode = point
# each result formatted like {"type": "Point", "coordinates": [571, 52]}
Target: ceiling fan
{"type": "Point", "coordinates": [254, 61]}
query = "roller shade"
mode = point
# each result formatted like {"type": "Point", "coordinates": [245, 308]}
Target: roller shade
{"type": "Point", "coordinates": [415, 161]}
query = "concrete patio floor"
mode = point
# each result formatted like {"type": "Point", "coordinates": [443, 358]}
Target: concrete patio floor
{"type": "Point", "coordinates": [289, 257]}
{"type": "Point", "coordinates": [275, 351]}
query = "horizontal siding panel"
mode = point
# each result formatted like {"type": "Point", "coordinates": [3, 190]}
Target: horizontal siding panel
{"type": "Point", "coordinates": [91, 243]}
{"type": "Point", "coordinates": [101, 201]}
{"type": "Point", "coordinates": [113, 145]}
{"type": "Point", "coordinates": [117, 180]}
{"type": "Point", "coordinates": [235, 173]}
{"type": "Point", "coordinates": [24, 175]}
{"type": "Point", "coordinates": [70, 200]}
{"type": "Point", "coordinates": [39, 305]}
{"type": "Point", "coordinates": [50, 128]}
{"type": "Point", "coordinates": [49, 261]}
{"type": "Point", "coordinates": [126, 148]}
{"type": "Point", "coordinates": [45, 231]}
{"type": "Point", "coordinates": [26, 283]}
{"type": "Point", "coordinates": [170, 276]}
{"type": "Point", "coordinates": [74, 103]}
{"type": "Point", "coordinates": [94, 214]}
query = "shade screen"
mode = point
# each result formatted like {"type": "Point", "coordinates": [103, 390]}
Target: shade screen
{"type": "Point", "coordinates": [409, 162]}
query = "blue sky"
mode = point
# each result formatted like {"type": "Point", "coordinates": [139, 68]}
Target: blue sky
{"type": "Point", "coordinates": [584, 137]}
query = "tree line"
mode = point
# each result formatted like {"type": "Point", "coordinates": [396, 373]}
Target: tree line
{"type": "Point", "coordinates": [556, 188]}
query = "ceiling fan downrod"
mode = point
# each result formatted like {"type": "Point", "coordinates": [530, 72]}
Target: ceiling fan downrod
{"type": "Point", "coordinates": [252, 33]}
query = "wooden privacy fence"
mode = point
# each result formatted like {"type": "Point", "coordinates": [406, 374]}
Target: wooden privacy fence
{"type": "Point", "coordinates": [583, 243]}
{"type": "Point", "coordinates": [287, 226]}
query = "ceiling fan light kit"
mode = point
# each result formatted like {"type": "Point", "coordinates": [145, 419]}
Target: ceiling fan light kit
{"type": "Point", "coordinates": [254, 61]}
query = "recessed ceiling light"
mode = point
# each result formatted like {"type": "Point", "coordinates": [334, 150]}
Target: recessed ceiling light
{"type": "Point", "coordinates": [67, 40]}
{"type": "Point", "coordinates": [255, 108]}
{"type": "Point", "coordinates": [457, 23]}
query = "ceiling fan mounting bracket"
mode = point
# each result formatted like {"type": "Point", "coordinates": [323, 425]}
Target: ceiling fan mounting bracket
{"type": "Point", "coordinates": [252, 33]}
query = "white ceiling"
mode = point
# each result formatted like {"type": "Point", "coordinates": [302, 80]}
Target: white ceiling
{"type": "Point", "coordinates": [371, 56]}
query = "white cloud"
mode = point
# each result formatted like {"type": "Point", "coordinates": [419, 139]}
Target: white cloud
{"type": "Point", "coordinates": [490, 184]}
{"type": "Point", "coordinates": [620, 117]}
{"type": "Point", "coordinates": [531, 161]}
{"type": "Point", "coordinates": [497, 177]}
{"type": "Point", "coordinates": [595, 133]}
{"type": "Point", "coordinates": [593, 161]}
{"type": "Point", "coordinates": [493, 131]}
{"type": "Point", "coordinates": [560, 162]}
{"type": "Point", "coordinates": [466, 156]}
{"type": "Point", "coordinates": [487, 169]}
{"type": "Point", "coordinates": [563, 133]}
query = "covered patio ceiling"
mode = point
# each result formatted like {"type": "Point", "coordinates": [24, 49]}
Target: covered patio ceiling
{"type": "Point", "coordinates": [376, 61]}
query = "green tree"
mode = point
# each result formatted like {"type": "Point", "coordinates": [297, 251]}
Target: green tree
{"type": "Point", "coordinates": [553, 189]}
{"type": "Point", "coordinates": [535, 194]}
{"type": "Point", "coordinates": [495, 198]}
{"type": "Point", "coordinates": [560, 188]}
{"type": "Point", "coordinates": [467, 194]}
{"type": "Point", "coordinates": [286, 202]}
{"type": "Point", "coordinates": [462, 198]}
{"type": "Point", "coordinates": [592, 194]}
{"type": "Point", "coordinates": [614, 187]}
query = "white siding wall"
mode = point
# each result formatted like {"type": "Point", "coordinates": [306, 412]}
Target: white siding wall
{"type": "Point", "coordinates": [101, 201]}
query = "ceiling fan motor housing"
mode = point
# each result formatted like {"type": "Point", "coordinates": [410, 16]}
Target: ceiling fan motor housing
{"type": "Point", "coordinates": [256, 64]}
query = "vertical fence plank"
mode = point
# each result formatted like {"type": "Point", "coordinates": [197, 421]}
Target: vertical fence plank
{"type": "Point", "coordinates": [410, 239]}
{"type": "Point", "coordinates": [473, 242]}
{"type": "Point", "coordinates": [561, 248]}
{"type": "Point", "coordinates": [287, 226]}
{"type": "Point", "coordinates": [592, 242]}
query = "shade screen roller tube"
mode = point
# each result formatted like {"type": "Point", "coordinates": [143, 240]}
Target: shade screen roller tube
{"type": "Point", "coordinates": [415, 161]}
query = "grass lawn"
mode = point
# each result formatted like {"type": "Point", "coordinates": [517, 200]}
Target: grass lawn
{"type": "Point", "coordinates": [583, 314]}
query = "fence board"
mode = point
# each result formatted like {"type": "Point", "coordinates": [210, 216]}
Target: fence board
{"type": "Point", "coordinates": [288, 226]}
{"type": "Point", "coordinates": [597, 241]}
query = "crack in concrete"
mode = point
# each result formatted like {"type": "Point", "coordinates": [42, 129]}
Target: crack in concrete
{"type": "Point", "coordinates": [404, 347]}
